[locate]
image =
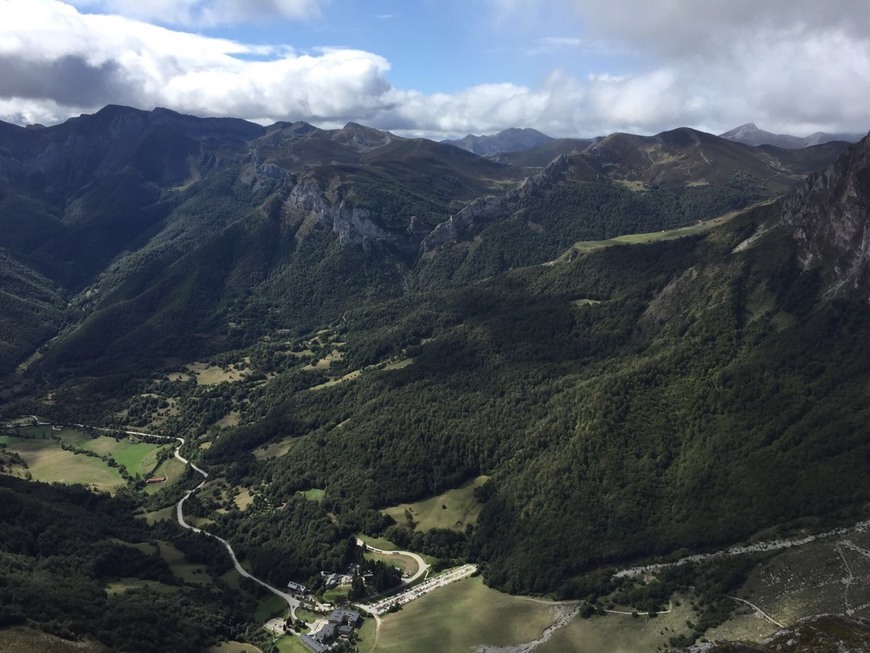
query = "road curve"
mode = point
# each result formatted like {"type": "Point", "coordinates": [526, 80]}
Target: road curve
{"type": "Point", "coordinates": [422, 565]}
{"type": "Point", "coordinates": [292, 602]}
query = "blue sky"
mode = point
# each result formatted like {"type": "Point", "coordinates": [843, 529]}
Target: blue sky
{"type": "Point", "coordinates": [448, 67]}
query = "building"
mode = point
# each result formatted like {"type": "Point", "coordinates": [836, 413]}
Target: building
{"type": "Point", "coordinates": [299, 588]}
{"type": "Point", "coordinates": [312, 644]}
{"type": "Point", "coordinates": [156, 479]}
{"type": "Point", "coordinates": [345, 618]}
{"type": "Point", "coordinates": [332, 580]}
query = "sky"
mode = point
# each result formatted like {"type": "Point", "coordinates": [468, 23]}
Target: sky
{"type": "Point", "coordinates": [445, 68]}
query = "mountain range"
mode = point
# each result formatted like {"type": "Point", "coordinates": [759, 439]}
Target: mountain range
{"type": "Point", "coordinates": [644, 345]}
{"type": "Point", "coordinates": [750, 134]}
{"type": "Point", "coordinates": [508, 140]}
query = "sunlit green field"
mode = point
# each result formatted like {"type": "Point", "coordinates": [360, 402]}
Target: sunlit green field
{"type": "Point", "coordinates": [461, 616]}
{"type": "Point", "coordinates": [453, 509]}
{"type": "Point", "coordinates": [47, 462]}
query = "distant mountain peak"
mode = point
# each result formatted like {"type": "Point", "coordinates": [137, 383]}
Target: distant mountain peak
{"type": "Point", "coordinates": [513, 139]}
{"type": "Point", "coordinates": [750, 134]}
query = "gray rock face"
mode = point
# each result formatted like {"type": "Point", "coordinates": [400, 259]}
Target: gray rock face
{"type": "Point", "coordinates": [353, 225]}
{"type": "Point", "coordinates": [486, 210]}
{"type": "Point", "coordinates": [470, 219]}
{"type": "Point", "coordinates": [830, 219]}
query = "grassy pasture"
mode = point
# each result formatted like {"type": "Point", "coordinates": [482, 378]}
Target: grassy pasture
{"type": "Point", "coordinates": [244, 498]}
{"type": "Point", "coordinates": [314, 494]}
{"type": "Point", "coordinates": [137, 457]}
{"type": "Point", "coordinates": [379, 543]}
{"type": "Point", "coordinates": [453, 509]}
{"type": "Point", "coordinates": [270, 607]}
{"type": "Point", "coordinates": [274, 449]}
{"type": "Point", "coordinates": [461, 616]}
{"type": "Point", "coordinates": [408, 565]}
{"type": "Point", "coordinates": [27, 640]}
{"type": "Point", "coordinates": [181, 568]}
{"type": "Point", "coordinates": [47, 462]}
{"type": "Point", "coordinates": [291, 644]}
{"type": "Point", "coordinates": [126, 584]}
{"type": "Point", "coordinates": [213, 375]}
{"type": "Point", "coordinates": [617, 633]}
{"type": "Point", "coordinates": [173, 469]}
{"type": "Point", "coordinates": [159, 515]}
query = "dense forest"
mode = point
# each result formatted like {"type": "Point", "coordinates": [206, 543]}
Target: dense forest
{"type": "Point", "coordinates": [60, 547]}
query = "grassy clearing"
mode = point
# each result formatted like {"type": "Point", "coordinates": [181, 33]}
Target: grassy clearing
{"type": "Point", "coordinates": [291, 644]}
{"type": "Point", "coordinates": [47, 462]}
{"type": "Point", "coordinates": [399, 364]}
{"type": "Point", "coordinates": [244, 498]}
{"type": "Point", "coordinates": [27, 640]}
{"type": "Point", "coordinates": [326, 362]}
{"type": "Point", "coordinates": [307, 616]}
{"type": "Point", "coordinates": [314, 494]}
{"type": "Point", "coordinates": [408, 565]}
{"type": "Point", "coordinates": [462, 616]}
{"type": "Point", "coordinates": [173, 469]}
{"type": "Point", "coordinates": [365, 636]}
{"type": "Point", "coordinates": [233, 579]}
{"type": "Point", "coordinates": [336, 593]}
{"type": "Point", "coordinates": [159, 515]}
{"type": "Point", "coordinates": [127, 584]}
{"type": "Point", "coordinates": [181, 568]}
{"type": "Point", "coordinates": [274, 449]}
{"type": "Point", "coordinates": [655, 236]}
{"type": "Point", "coordinates": [229, 420]}
{"type": "Point", "coordinates": [233, 647]}
{"type": "Point", "coordinates": [137, 457]}
{"type": "Point", "coordinates": [213, 375]}
{"type": "Point", "coordinates": [269, 608]}
{"type": "Point", "coordinates": [350, 376]}
{"type": "Point", "coordinates": [618, 633]}
{"type": "Point", "coordinates": [453, 509]}
{"type": "Point", "coordinates": [379, 543]}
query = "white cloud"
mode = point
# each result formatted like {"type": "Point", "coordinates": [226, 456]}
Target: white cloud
{"type": "Point", "coordinates": [784, 72]}
{"type": "Point", "coordinates": [50, 52]}
{"type": "Point", "coordinates": [205, 13]}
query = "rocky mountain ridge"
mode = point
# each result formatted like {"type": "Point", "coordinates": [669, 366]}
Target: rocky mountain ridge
{"type": "Point", "coordinates": [829, 216]}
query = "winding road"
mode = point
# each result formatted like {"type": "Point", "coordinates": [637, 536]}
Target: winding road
{"type": "Point", "coordinates": [292, 602]}
{"type": "Point", "coordinates": [422, 565]}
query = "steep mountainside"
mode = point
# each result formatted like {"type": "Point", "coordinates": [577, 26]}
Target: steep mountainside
{"type": "Point", "coordinates": [619, 184]}
{"type": "Point", "coordinates": [540, 156]}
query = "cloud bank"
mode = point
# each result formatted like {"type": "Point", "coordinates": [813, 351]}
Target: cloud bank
{"type": "Point", "coordinates": [795, 66]}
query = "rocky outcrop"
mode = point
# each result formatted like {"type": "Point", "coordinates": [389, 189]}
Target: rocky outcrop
{"type": "Point", "coordinates": [362, 138]}
{"type": "Point", "coordinates": [829, 217]}
{"type": "Point", "coordinates": [467, 222]}
{"type": "Point", "coordinates": [485, 210]}
{"type": "Point", "coordinates": [353, 225]}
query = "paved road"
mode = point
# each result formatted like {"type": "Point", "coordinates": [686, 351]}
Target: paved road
{"type": "Point", "coordinates": [422, 565]}
{"type": "Point", "coordinates": [292, 602]}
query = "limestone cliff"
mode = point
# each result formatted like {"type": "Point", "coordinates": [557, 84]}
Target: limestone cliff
{"type": "Point", "coordinates": [829, 217]}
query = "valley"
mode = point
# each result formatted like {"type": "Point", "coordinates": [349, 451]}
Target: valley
{"type": "Point", "coordinates": [617, 398]}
